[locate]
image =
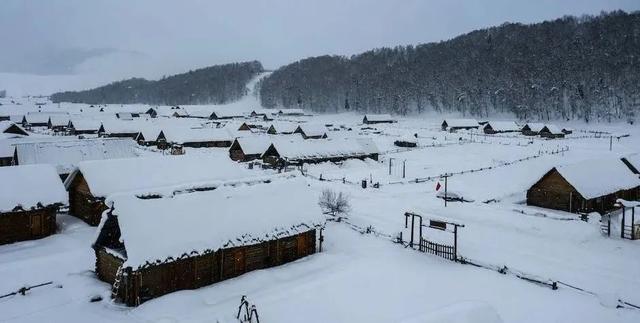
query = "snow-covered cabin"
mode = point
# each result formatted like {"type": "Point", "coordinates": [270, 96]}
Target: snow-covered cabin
{"type": "Point", "coordinates": [35, 119]}
{"type": "Point", "coordinates": [92, 181]}
{"type": "Point", "coordinates": [452, 125]}
{"type": "Point", "coordinates": [195, 138]}
{"type": "Point", "coordinates": [148, 136]}
{"type": "Point", "coordinates": [295, 152]}
{"type": "Point", "coordinates": [30, 197]}
{"type": "Point", "coordinates": [282, 128]}
{"type": "Point", "coordinates": [120, 129]}
{"type": "Point", "coordinates": [377, 118]}
{"type": "Point", "coordinates": [9, 127]}
{"type": "Point", "coordinates": [222, 114]}
{"type": "Point", "coordinates": [84, 126]}
{"type": "Point", "coordinates": [291, 112]}
{"type": "Point", "coordinates": [261, 112]}
{"type": "Point", "coordinates": [249, 148]}
{"type": "Point", "coordinates": [311, 131]}
{"type": "Point", "coordinates": [407, 141]}
{"type": "Point", "coordinates": [127, 116]}
{"type": "Point", "coordinates": [493, 127]}
{"type": "Point", "coordinates": [587, 186]}
{"type": "Point", "coordinates": [65, 155]}
{"type": "Point", "coordinates": [192, 240]}
{"type": "Point", "coordinates": [551, 131]}
{"type": "Point", "coordinates": [532, 128]}
{"type": "Point", "coordinates": [58, 122]}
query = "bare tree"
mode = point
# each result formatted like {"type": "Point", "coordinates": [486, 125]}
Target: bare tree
{"type": "Point", "coordinates": [334, 203]}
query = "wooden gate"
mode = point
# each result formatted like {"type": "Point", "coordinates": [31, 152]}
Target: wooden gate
{"type": "Point", "coordinates": [444, 251]}
{"type": "Point", "coordinates": [36, 224]}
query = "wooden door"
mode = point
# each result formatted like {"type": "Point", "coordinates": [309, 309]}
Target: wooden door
{"type": "Point", "coordinates": [239, 261]}
{"type": "Point", "coordinates": [302, 245]}
{"type": "Point", "coordinates": [36, 224]}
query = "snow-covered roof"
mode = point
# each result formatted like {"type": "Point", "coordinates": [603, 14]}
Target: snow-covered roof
{"type": "Point", "coordinates": [379, 117]}
{"type": "Point", "coordinates": [124, 115]}
{"type": "Point", "coordinates": [106, 177]}
{"type": "Point", "coordinates": [122, 126]}
{"type": "Point", "coordinates": [254, 145]}
{"type": "Point", "coordinates": [85, 124]}
{"type": "Point", "coordinates": [30, 185]}
{"type": "Point", "coordinates": [59, 120]}
{"type": "Point", "coordinates": [535, 126]}
{"type": "Point", "coordinates": [226, 113]}
{"type": "Point", "coordinates": [291, 112]}
{"type": "Point", "coordinates": [65, 155]}
{"type": "Point", "coordinates": [282, 127]}
{"type": "Point", "coordinates": [503, 125]}
{"type": "Point", "coordinates": [327, 148]}
{"type": "Point", "coordinates": [408, 138]}
{"type": "Point", "coordinates": [461, 123]}
{"type": "Point", "coordinates": [313, 129]}
{"type": "Point", "coordinates": [242, 215]}
{"type": "Point", "coordinates": [598, 177]}
{"type": "Point", "coordinates": [184, 135]}
{"type": "Point", "coordinates": [5, 125]}
{"type": "Point", "coordinates": [36, 117]}
{"type": "Point", "coordinates": [553, 129]}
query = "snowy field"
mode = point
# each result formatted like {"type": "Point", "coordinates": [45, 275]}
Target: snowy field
{"type": "Point", "coordinates": [366, 277]}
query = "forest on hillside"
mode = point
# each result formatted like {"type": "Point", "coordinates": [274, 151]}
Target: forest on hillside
{"type": "Point", "coordinates": [571, 68]}
{"type": "Point", "coordinates": [211, 85]}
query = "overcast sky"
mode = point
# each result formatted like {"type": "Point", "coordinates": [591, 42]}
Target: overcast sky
{"type": "Point", "coordinates": [150, 38]}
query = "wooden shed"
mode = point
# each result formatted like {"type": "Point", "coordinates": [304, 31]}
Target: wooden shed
{"type": "Point", "coordinates": [588, 186]}
{"type": "Point", "coordinates": [377, 118]}
{"type": "Point", "coordinates": [30, 199]}
{"type": "Point", "coordinates": [551, 132]}
{"type": "Point", "coordinates": [84, 126]}
{"type": "Point", "coordinates": [92, 181]}
{"type": "Point", "coordinates": [452, 125]}
{"type": "Point", "coordinates": [251, 227]}
{"type": "Point", "coordinates": [532, 128]}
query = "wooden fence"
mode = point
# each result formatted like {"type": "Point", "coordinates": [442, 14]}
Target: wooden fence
{"type": "Point", "coordinates": [441, 250]}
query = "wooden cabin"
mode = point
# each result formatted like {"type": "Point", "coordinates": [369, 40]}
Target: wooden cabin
{"type": "Point", "coordinates": [92, 181]}
{"type": "Point", "coordinates": [84, 127]}
{"type": "Point", "coordinates": [58, 123]}
{"type": "Point", "coordinates": [151, 112]}
{"type": "Point", "coordinates": [11, 128]}
{"type": "Point", "coordinates": [248, 148]}
{"type": "Point", "coordinates": [493, 127]}
{"type": "Point", "coordinates": [119, 129]}
{"type": "Point", "coordinates": [282, 128]}
{"type": "Point", "coordinates": [311, 131]}
{"type": "Point", "coordinates": [453, 125]}
{"type": "Point", "coordinates": [35, 120]}
{"type": "Point", "coordinates": [584, 187]}
{"type": "Point", "coordinates": [297, 152]}
{"type": "Point", "coordinates": [31, 196]}
{"type": "Point", "coordinates": [195, 138]}
{"type": "Point", "coordinates": [377, 118]}
{"type": "Point", "coordinates": [551, 132]}
{"type": "Point", "coordinates": [532, 128]}
{"type": "Point", "coordinates": [203, 245]}
{"type": "Point", "coordinates": [291, 112]}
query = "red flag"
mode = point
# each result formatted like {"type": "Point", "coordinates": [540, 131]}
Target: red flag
{"type": "Point", "coordinates": [438, 186]}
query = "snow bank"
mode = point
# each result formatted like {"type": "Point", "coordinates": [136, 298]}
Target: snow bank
{"type": "Point", "coordinates": [28, 186]}
{"type": "Point", "coordinates": [464, 312]}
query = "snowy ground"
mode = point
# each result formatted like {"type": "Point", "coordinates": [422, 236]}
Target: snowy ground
{"type": "Point", "coordinates": [367, 278]}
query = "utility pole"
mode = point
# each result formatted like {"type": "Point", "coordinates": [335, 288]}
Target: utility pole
{"type": "Point", "coordinates": [390, 160]}
{"type": "Point", "coordinates": [610, 143]}
{"type": "Point", "coordinates": [404, 167]}
{"type": "Point", "coordinates": [445, 176]}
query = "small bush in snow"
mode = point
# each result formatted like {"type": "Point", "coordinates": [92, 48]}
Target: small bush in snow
{"type": "Point", "coordinates": [334, 203]}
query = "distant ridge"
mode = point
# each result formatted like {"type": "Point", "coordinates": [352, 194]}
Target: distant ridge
{"type": "Point", "coordinates": [571, 68]}
{"type": "Point", "coordinates": [210, 85]}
